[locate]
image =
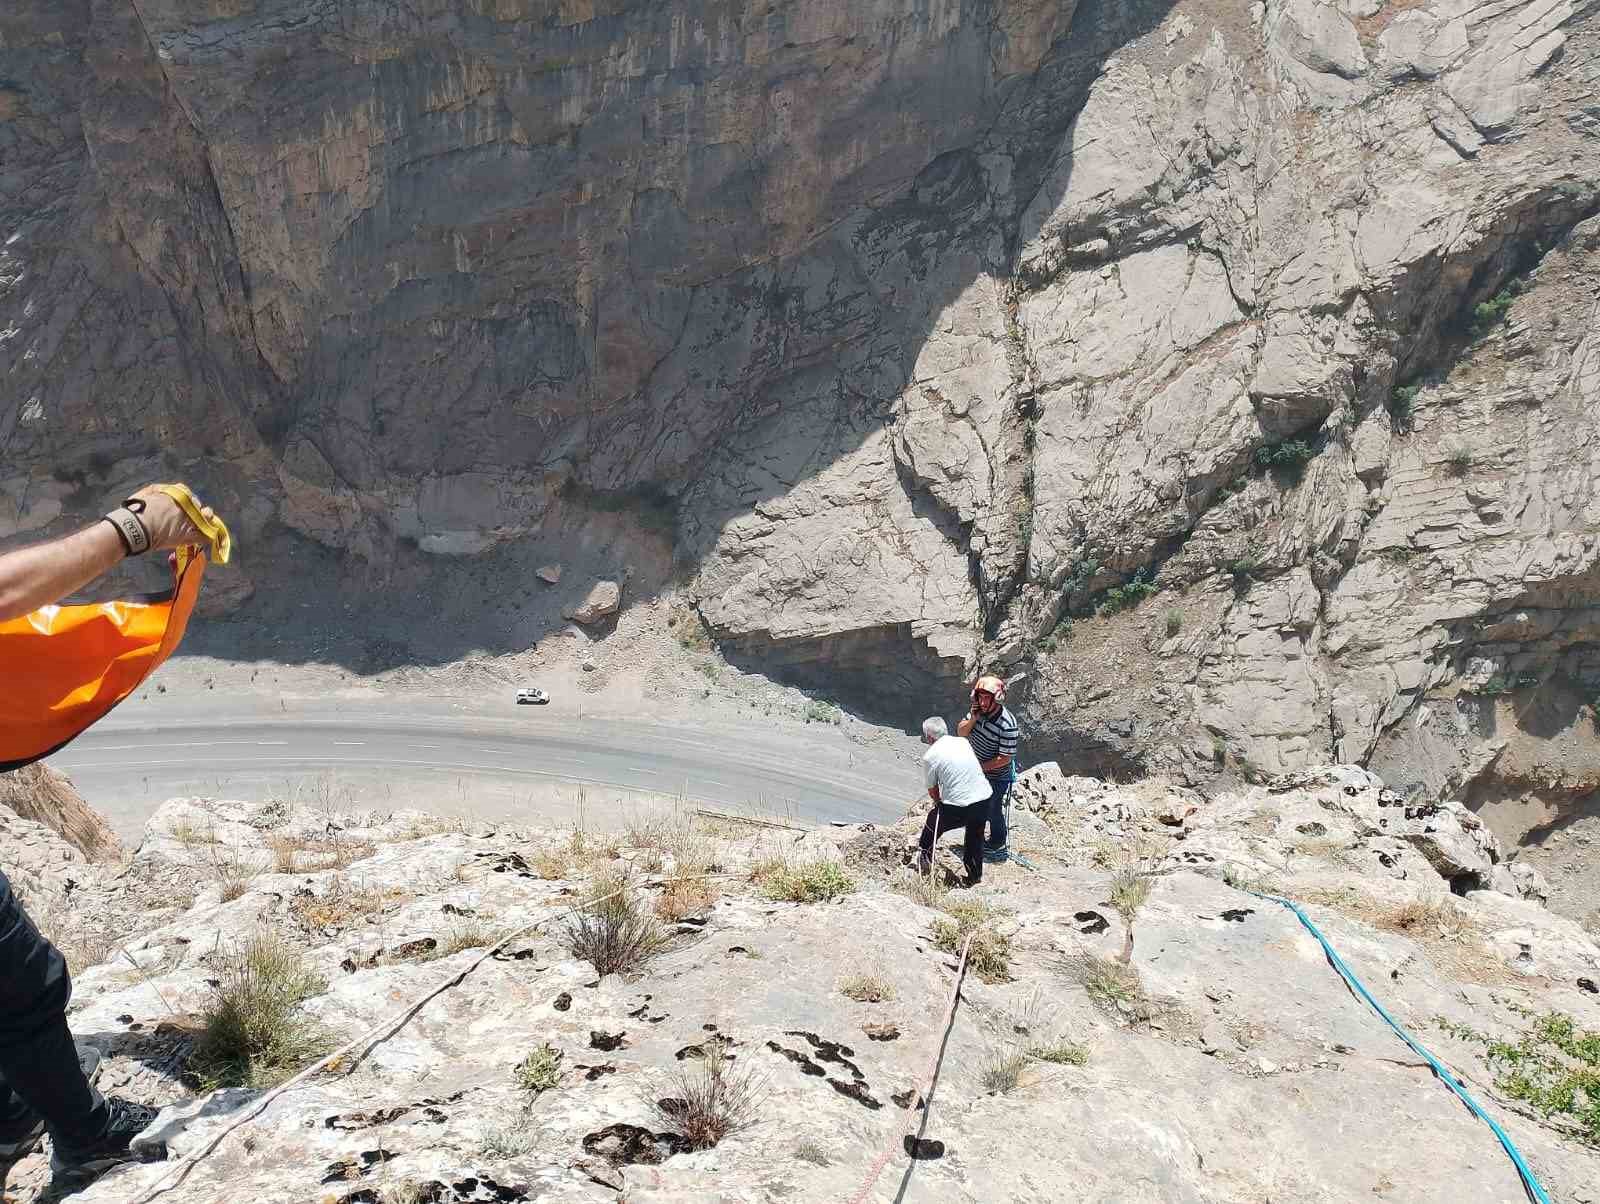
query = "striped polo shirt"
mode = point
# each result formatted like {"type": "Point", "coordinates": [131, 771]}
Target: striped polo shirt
{"type": "Point", "coordinates": [992, 735]}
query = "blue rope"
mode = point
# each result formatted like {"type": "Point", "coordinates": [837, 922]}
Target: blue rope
{"type": "Point", "coordinates": [1530, 1182]}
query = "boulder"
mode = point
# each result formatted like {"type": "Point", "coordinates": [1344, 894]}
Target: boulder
{"type": "Point", "coordinates": [1530, 882]}
{"type": "Point", "coordinates": [1454, 840]}
{"type": "Point", "coordinates": [603, 598]}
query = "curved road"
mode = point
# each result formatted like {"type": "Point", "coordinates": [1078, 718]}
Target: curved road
{"type": "Point", "coordinates": [523, 764]}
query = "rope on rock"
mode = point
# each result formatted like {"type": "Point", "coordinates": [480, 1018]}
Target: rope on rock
{"type": "Point", "coordinates": [925, 1088]}
{"type": "Point", "coordinates": [1530, 1182]}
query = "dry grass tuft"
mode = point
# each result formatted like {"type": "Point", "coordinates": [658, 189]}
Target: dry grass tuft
{"type": "Point", "coordinates": [930, 889]}
{"type": "Point", "coordinates": [675, 833]}
{"type": "Point", "coordinates": [685, 897]}
{"type": "Point", "coordinates": [1437, 919]}
{"type": "Point", "coordinates": [1002, 1071]}
{"type": "Point", "coordinates": [1129, 890]}
{"type": "Point", "coordinates": [466, 934]}
{"type": "Point", "coordinates": [233, 869]}
{"type": "Point", "coordinates": [189, 833]}
{"type": "Point", "coordinates": [1115, 987]}
{"type": "Point", "coordinates": [83, 940]}
{"type": "Point", "coordinates": [611, 931]}
{"type": "Point", "coordinates": [341, 906]}
{"type": "Point", "coordinates": [867, 988]}
{"type": "Point", "coordinates": [254, 1034]}
{"type": "Point", "coordinates": [310, 854]}
{"type": "Point", "coordinates": [990, 953]}
{"type": "Point", "coordinates": [710, 1099]}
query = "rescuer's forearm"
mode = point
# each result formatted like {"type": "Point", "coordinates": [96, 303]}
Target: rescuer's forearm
{"type": "Point", "coordinates": [43, 573]}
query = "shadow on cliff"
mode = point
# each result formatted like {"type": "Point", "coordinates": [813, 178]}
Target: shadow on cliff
{"type": "Point", "coordinates": [848, 316]}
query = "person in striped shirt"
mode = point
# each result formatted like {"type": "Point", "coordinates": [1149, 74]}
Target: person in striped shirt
{"type": "Point", "coordinates": [992, 732]}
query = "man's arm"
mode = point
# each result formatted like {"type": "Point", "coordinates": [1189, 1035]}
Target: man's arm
{"type": "Point", "coordinates": [999, 761]}
{"type": "Point", "coordinates": [964, 728]}
{"type": "Point", "coordinates": [43, 573]}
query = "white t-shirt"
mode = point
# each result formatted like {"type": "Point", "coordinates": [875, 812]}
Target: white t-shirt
{"type": "Point", "coordinates": [952, 766]}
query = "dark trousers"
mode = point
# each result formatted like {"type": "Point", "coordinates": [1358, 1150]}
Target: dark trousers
{"type": "Point", "coordinates": [39, 1071]}
{"type": "Point", "coordinates": [970, 819]}
{"type": "Point", "coordinates": [997, 812]}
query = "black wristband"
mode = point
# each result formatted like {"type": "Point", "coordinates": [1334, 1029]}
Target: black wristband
{"type": "Point", "coordinates": [130, 529]}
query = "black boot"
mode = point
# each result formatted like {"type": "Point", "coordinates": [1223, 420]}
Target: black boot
{"type": "Point", "coordinates": [74, 1168]}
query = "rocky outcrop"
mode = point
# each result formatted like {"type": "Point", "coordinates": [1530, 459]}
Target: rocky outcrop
{"type": "Point", "coordinates": [1227, 1051]}
{"type": "Point", "coordinates": [38, 793]}
{"type": "Point", "coordinates": [1224, 370]}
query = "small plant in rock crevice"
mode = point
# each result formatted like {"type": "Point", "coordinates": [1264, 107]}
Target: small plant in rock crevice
{"type": "Point", "coordinates": [1061, 1053]}
{"type": "Point", "coordinates": [1116, 987]}
{"type": "Point", "coordinates": [540, 1071]}
{"type": "Point", "coordinates": [812, 1152]}
{"type": "Point", "coordinates": [511, 1141]}
{"type": "Point", "coordinates": [1459, 459]}
{"type": "Point", "coordinates": [1129, 890]}
{"type": "Point", "coordinates": [1002, 1072]}
{"type": "Point", "coordinates": [711, 1098]}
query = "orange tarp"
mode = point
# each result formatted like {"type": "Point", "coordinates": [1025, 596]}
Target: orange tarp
{"type": "Point", "coordinates": [63, 668]}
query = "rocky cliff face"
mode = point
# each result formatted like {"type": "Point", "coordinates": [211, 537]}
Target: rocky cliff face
{"type": "Point", "coordinates": [1256, 342]}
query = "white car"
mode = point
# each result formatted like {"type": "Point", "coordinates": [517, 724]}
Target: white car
{"type": "Point", "coordinates": [532, 694]}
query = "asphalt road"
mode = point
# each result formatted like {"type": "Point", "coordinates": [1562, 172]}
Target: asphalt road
{"type": "Point", "coordinates": [524, 764]}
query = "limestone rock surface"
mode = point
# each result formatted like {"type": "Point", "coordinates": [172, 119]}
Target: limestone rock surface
{"type": "Point", "coordinates": [1231, 1065]}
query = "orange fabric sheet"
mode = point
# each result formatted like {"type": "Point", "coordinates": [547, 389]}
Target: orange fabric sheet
{"type": "Point", "coordinates": [62, 668]}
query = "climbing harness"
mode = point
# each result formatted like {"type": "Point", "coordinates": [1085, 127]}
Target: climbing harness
{"type": "Point", "coordinates": [64, 667]}
{"type": "Point", "coordinates": [1530, 1182]}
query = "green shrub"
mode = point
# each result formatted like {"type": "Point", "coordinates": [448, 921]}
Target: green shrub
{"type": "Point", "coordinates": [253, 1034]}
{"type": "Point", "coordinates": [823, 712]}
{"type": "Point", "coordinates": [1246, 568]}
{"type": "Point", "coordinates": [1129, 595]}
{"type": "Point", "coordinates": [1459, 459]}
{"type": "Point", "coordinates": [1554, 1067]}
{"type": "Point", "coordinates": [1493, 311]}
{"type": "Point", "coordinates": [1292, 454]}
{"type": "Point", "coordinates": [1507, 683]}
{"type": "Point", "coordinates": [1401, 400]}
{"type": "Point", "coordinates": [1061, 1053]}
{"type": "Point", "coordinates": [1174, 621]}
{"type": "Point", "coordinates": [803, 882]}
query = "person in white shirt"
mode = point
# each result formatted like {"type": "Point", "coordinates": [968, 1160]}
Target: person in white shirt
{"type": "Point", "coordinates": [960, 794]}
